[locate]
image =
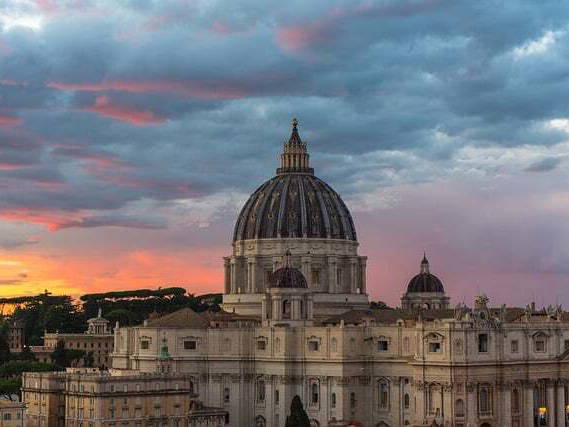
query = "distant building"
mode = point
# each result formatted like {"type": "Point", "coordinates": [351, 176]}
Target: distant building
{"type": "Point", "coordinates": [89, 398]}
{"type": "Point", "coordinates": [98, 339]}
{"type": "Point", "coordinates": [16, 336]}
{"type": "Point", "coordinates": [11, 414]}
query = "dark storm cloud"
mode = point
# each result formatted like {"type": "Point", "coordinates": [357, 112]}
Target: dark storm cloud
{"type": "Point", "coordinates": [545, 165]}
{"type": "Point", "coordinates": [125, 102]}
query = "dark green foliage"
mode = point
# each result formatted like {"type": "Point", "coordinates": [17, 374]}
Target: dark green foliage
{"type": "Point", "coordinates": [10, 388]}
{"type": "Point", "coordinates": [65, 357]}
{"type": "Point", "coordinates": [51, 313]}
{"type": "Point", "coordinates": [26, 354]}
{"type": "Point", "coordinates": [298, 416]}
{"type": "Point", "coordinates": [46, 312]}
{"type": "Point", "coordinates": [15, 368]}
{"type": "Point", "coordinates": [88, 360]}
{"type": "Point", "coordinates": [124, 317]}
{"type": "Point", "coordinates": [379, 305]}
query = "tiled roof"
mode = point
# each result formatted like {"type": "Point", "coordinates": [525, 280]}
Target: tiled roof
{"type": "Point", "coordinates": [184, 318]}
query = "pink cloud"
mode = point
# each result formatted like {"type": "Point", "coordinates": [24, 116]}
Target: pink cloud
{"type": "Point", "coordinates": [47, 6]}
{"type": "Point", "coordinates": [202, 90]}
{"type": "Point", "coordinates": [8, 120]}
{"type": "Point", "coordinates": [299, 37]}
{"type": "Point", "coordinates": [322, 30]}
{"type": "Point", "coordinates": [104, 106]}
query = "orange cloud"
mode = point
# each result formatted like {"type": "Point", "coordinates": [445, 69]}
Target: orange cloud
{"type": "Point", "coordinates": [201, 90]}
{"type": "Point", "coordinates": [70, 273]}
{"type": "Point", "coordinates": [105, 107]}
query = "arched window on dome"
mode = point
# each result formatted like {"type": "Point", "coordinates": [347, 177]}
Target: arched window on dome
{"type": "Point", "coordinates": [286, 309]}
{"type": "Point", "coordinates": [406, 401]}
{"type": "Point", "coordinates": [301, 304]}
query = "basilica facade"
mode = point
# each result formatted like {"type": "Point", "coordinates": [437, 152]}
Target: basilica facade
{"type": "Point", "coordinates": [296, 321]}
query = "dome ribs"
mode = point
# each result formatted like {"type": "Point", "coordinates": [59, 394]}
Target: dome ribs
{"type": "Point", "coordinates": [260, 214]}
{"type": "Point", "coordinates": [303, 219]}
{"type": "Point", "coordinates": [282, 206]}
{"type": "Point", "coordinates": [294, 203]}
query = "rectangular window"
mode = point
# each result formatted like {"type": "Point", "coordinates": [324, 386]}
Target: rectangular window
{"type": "Point", "coordinates": [313, 345]}
{"type": "Point", "coordinates": [434, 347]}
{"type": "Point", "coordinates": [515, 346]}
{"type": "Point", "coordinates": [144, 345]}
{"type": "Point", "coordinates": [315, 277]}
{"type": "Point", "coordinates": [483, 343]}
{"type": "Point", "coordinates": [276, 397]}
{"type": "Point", "coordinates": [566, 344]}
{"type": "Point", "coordinates": [540, 346]}
{"type": "Point", "coordinates": [382, 345]}
{"type": "Point", "coordinates": [261, 345]}
{"type": "Point", "coordinates": [190, 345]}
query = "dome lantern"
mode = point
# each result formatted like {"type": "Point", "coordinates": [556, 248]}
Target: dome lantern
{"type": "Point", "coordinates": [295, 157]}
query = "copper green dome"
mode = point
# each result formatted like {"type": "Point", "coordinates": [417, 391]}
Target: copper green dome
{"type": "Point", "coordinates": [294, 203]}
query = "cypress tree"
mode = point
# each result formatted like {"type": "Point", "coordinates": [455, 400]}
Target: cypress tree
{"type": "Point", "coordinates": [298, 416]}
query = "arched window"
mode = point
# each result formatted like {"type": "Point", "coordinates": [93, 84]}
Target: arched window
{"type": "Point", "coordinates": [333, 400]}
{"type": "Point", "coordinates": [485, 400]}
{"type": "Point", "coordinates": [260, 421]}
{"type": "Point", "coordinates": [384, 394]}
{"type": "Point", "coordinates": [191, 386]}
{"type": "Point", "coordinates": [433, 399]}
{"type": "Point", "coordinates": [459, 408]}
{"type": "Point", "coordinates": [276, 397]}
{"type": "Point", "coordinates": [352, 400]}
{"type": "Point", "coordinates": [334, 345]}
{"type": "Point", "coordinates": [406, 344]}
{"type": "Point", "coordinates": [260, 390]}
{"type": "Point", "coordinates": [226, 395]}
{"type": "Point", "coordinates": [286, 309]}
{"type": "Point", "coordinates": [314, 392]}
{"type": "Point", "coordinates": [515, 401]}
{"type": "Point", "coordinates": [406, 401]}
{"type": "Point", "coordinates": [301, 303]}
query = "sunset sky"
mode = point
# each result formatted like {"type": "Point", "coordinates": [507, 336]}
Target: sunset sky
{"type": "Point", "coordinates": [132, 131]}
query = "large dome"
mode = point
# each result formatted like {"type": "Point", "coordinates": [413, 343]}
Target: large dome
{"type": "Point", "coordinates": [294, 203]}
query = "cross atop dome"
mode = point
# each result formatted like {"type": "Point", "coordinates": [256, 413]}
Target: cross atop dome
{"type": "Point", "coordinates": [294, 136]}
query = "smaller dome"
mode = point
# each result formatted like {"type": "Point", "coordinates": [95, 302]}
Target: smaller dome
{"type": "Point", "coordinates": [287, 277]}
{"type": "Point", "coordinates": [425, 281]}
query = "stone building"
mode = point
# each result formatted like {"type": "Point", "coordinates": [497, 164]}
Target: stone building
{"type": "Point", "coordinates": [98, 339]}
{"type": "Point", "coordinates": [297, 322]}
{"type": "Point", "coordinates": [11, 414]}
{"type": "Point", "coordinates": [90, 398]}
{"type": "Point", "coordinates": [16, 336]}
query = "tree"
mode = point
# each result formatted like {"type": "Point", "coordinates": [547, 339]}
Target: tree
{"type": "Point", "coordinates": [10, 388]}
{"type": "Point", "coordinates": [298, 416]}
{"type": "Point", "coordinates": [88, 360]}
{"type": "Point", "coordinates": [65, 357]}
